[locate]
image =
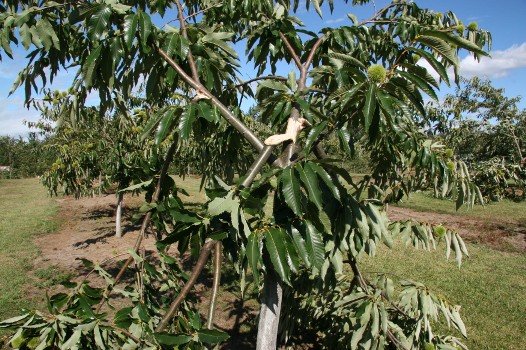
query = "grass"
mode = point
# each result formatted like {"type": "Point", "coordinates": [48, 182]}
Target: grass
{"type": "Point", "coordinates": [490, 286]}
{"type": "Point", "coordinates": [503, 210]}
{"type": "Point", "coordinates": [25, 211]}
{"type": "Point", "coordinates": [52, 276]}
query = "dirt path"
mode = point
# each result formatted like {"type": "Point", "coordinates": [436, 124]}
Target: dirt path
{"type": "Point", "coordinates": [87, 231]}
{"type": "Point", "coordinates": [502, 235]}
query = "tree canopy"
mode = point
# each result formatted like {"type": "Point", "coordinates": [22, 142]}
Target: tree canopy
{"type": "Point", "coordinates": [295, 218]}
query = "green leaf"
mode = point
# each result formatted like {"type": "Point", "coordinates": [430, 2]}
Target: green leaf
{"type": "Point", "coordinates": [165, 126]}
{"type": "Point", "coordinates": [178, 216]}
{"type": "Point", "coordinates": [152, 123]}
{"type": "Point", "coordinates": [310, 180]}
{"type": "Point", "coordinates": [275, 244]}
{"type": "Point", "coordinates": [324, 175]}
{"type": "Point", "coordinates": [369, 106]}
{"type": "Point", "coordinates": [272, 85]}
{"type": "Point", "coordinates": [25, 36]}
{"type": "Point", "coordinates": [204, 111]}
{"type": "Point", "coordinates": [253, 255]}
{"type": "Point", "coordinates": [345, 140]}
{"type": "Point", "coordinates": [211, 336]}
{"type": "Point", "coordinates": [223, 204]}
{"type": "Point", "coordinates": [98, 22]}
{"type": "Point", "coordinates": [439, 46]}
{"type": "Point", "coordinates": [130, 25]}
{"type": "Point", "coordinates": [421, 83]}
{"type": "Point", "coordinates": [314, 245]}
{"type": "Point", "coordinates": [360, 218]}
{"type": "Point", "coordinates": [90, 65]}
{"type": "Point", "coordinates": [301, 246]}
{"type": "Point", "coordinates": [457, 40]}
{"type": "Point", "coordinates": [145, 28]}
{"type": "Point", "coordinates": [186, 121]}
{"type": "Point", "coordinates": [170, 339]}
{"type": "Point", "coordinates": [314, 133]}
{"type": "Point", "coordinates": [316, 4]}
{"type": "Point", "coordinates": [292, 254]}
{"type": "Point", "coordinates": [72, 341]}
{"type": "Point", "coordinates": [291, 190]}
{"type": "Point", "coordinates": [13, 320]}
{"type": "Point", "coordinates": [437, 66]}
{"type": "Point", "coordinates": [176, 44]}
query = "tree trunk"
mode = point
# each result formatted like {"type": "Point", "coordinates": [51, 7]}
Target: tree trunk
{"type": "Point", "coordinates": [118, 228]}
{"type": "Point", "coordinates": [269, 313]}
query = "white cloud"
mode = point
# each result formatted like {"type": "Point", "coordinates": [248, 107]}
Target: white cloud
{"type": "Point", "coordinates": [13, 115]}
{"type": "Point", "coordinates": [499, 65]}
{"type": "Point", "coordinates": [335, 20]}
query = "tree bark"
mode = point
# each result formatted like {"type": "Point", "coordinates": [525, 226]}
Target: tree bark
{"type": "Point", "coordinates": [269, 313]}
{"type": "Point", "coordinates": [118, 215]}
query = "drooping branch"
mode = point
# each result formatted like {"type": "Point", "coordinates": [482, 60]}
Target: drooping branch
{"type": "Point", "coordinates": [218, 254]}
{"type": "Point", "coordinates": [196, 271]}
{"type": "Point", "coordinates": [148, 216]}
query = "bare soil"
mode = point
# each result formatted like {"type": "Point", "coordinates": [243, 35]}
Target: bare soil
{"type": "Point", "coordinates": [87, 232]}
{"type": "Point", "coordinates": [505, 235]}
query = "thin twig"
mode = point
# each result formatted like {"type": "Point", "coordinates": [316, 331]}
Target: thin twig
{"type": "Point", "coordinates": [127, 333]}
{"type": "Point", "coordinates": [203, 10]}
{"type": "Point", "coordinates": [189, 55]}
{"type": "Point", "coordinates": [269, 77]}
{"type": "Point", "coordinates": [380, 13]}
{"type": "Point", "coordinates": [201, 261]}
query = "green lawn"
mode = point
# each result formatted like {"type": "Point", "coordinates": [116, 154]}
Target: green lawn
{"type": "Point", "coordinates": [25, 211]}
{"type": "Point", "coordinates": [490, 286]}
{"type": "Point", "coordinates": [503, 210]}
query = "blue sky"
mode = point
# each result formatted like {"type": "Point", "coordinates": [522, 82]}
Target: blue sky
{"type": "Point", "coordinates": [506, 68]}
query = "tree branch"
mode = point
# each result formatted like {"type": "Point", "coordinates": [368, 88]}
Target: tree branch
{"type": "Point", "coordinates": [201, 261]}
{"type": "Point", "coordinates": [218, 254]}
{"type": "Point", "coordinates": [315, 47]}
{"type": "Point", "coordinates": [190, 57]}
{"type": "Point", "coordinates": [223, 110]}
{"type": "Point", "coordinates": [291, 50]}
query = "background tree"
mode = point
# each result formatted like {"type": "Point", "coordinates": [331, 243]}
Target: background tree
{"type": "Point", "coordinates": [358, 79]}
{"type": "Point", "coordinates": [486, 129]}
{"type": "Point", "coordinates": [26, 157]}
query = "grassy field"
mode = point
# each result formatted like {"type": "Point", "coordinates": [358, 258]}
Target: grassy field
{"type": "Point", "coordinates": [506, 209]}
{"type": "Point", "coordinates": [490, 286]}
{"type": "Point", "coordinates": [25, 211]}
